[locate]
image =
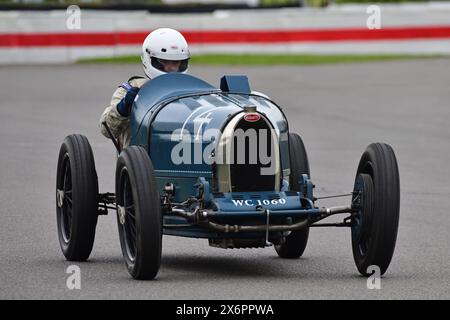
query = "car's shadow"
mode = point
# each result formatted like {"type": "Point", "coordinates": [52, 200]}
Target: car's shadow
{"type": "Point", "coordinates": [220, 266]}
{"type": "Point", "coordinates": [188, 267]}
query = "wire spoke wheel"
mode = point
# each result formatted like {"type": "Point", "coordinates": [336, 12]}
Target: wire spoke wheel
{"type": "Point", "coordinates": [375, 225]}
{"type": "Point", "coordinates": [295, 243]}
{"type": "Point", "coordinates": [76, 198]}
{"type": "Point", "coordinates": [139, 216]}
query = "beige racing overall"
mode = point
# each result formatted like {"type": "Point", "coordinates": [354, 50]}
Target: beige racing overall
{"type": "Point", "coordinates": [118, 124]}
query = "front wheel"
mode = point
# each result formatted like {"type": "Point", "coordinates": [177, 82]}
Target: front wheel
{"type": "Point", "coordinates": [377, 196]}
{"type": "Point", "coordinates": [138, 213]}
{"type": "Point", "coordinates": [295, 243]}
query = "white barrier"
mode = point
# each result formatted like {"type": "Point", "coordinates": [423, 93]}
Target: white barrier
{"type": "Point", "coordinates": [24, 36]}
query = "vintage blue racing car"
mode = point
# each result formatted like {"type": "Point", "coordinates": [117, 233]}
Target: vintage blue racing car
{"type": "Point", "coordinates": [219, 164]}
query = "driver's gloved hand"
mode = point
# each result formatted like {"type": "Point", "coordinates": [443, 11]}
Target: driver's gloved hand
{"type": "Point", "coordinates": [124, 106]}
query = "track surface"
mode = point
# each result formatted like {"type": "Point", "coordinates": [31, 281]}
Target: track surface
{"type": "Point", "coordinates": [337, 109]}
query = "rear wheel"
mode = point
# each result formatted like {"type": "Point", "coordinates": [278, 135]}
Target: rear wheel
{"type": "Point", "coordinates": [375, 225]}
{"type": "Point", "coordinates": [138, 213]}
{"type": "Point", "coordinates": [295, 242]}
{"type": "Point", "coordinates": [76, 198]}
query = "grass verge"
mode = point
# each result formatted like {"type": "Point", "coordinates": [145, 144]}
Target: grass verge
{"type": "Point", "coordinates": [270, 59]}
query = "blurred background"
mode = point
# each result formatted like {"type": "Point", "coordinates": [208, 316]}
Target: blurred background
{"type": "Point", "coordinates": [51, 31]}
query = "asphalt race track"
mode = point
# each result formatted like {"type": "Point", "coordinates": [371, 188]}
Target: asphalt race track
{"type": "Point", "coordinates": [337, 109]}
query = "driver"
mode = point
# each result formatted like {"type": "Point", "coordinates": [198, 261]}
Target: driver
{"type": "Point", "coordinates": [164, 50]}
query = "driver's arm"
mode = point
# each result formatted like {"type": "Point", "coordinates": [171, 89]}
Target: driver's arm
{"type": "Point", "coordinates": [115, 121]}
{"type": "Point", "coordinates": [116, 115]}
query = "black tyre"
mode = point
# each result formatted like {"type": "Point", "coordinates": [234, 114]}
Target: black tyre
{"type": "Point", "coordinates": [76, 198]}
{"type": "Point", "coordinates": [295, 242]}
{"type": "Point", "coordinates": [138, 213]}
{"type": "Point", "coordinates": [374, 230]}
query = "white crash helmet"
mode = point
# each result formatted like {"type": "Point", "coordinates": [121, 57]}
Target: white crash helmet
{"type": "Point", "coordinates": [165, 44]}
